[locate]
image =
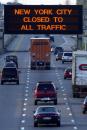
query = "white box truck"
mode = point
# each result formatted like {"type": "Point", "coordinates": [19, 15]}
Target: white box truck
{"type": "Point", "coordinates": [79, 74]}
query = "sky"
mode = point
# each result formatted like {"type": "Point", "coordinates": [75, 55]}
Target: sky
{"type": "Point", "coordinates": [34, 2]}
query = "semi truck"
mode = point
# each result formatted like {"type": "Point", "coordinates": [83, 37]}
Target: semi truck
{"type": "Point", "coordinates": [79, 74]}
{"type": "Point", "coordinates": [40, 53]}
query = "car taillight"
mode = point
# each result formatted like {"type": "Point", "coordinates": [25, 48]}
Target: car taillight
{"type": "Point", "coordinates": [37, 93]}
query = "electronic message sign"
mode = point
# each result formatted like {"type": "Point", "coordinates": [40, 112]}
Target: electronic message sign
{"type": "Point", "coordinates": [42, 19]}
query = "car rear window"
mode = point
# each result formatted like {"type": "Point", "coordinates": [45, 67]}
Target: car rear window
{"type": "Point", "coordinates": [9, 71]}
{"type": "Point", "coordinates": [45, 87]}
{"type": "Point", "coordinates": [67, 54]}
{"type": "Point", "coordinates": [46, 109]}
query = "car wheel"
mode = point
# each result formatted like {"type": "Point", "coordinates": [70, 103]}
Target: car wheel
{"type": "Point", "coordinates": [64, 77]}
{"type": "Point", "coordinates": [83, 111]}
{"type": "Point", "coordinates": [62, 62]}
{"type": "Point", "coordinates": [35, 124]}
{"type": "Point", "coordinates": [35, 103]}
{"type": "Point", "coordinates": [58, 124]}
{"type": "Point", "coordinates": [55, 102]}
{"type": "Point", "coordinates": [2, 82]}
{"type": "Point", "coordinates": [17, 82]}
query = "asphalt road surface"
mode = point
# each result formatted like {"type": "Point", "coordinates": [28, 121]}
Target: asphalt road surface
{"type": "Point", "coordinates": [17, 102]}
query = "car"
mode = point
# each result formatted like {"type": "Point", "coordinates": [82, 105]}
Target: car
{"type": "Point", "coordinates": [66, 57]}
{"type": "Point", "coordinates": [45, 91]}
{"type": "Point", "coordinates": [46, 115]}
{"type": "Point", "coordinates": [58, 49]}
{"type": "Point", "coordinates": [59, 56]}
{"type": "Point", "coordinates": [68, 73]}
{"type": "Point", "coordinates": [85, 105]}
{"type": "Point", "coordinates": [13, 58]}
{"type": "Point", "coordinates": [9, 74]}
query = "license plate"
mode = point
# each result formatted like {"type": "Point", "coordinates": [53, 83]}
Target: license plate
{"type": "Point", "coordinates": [46, 118]}
{"type": "Point", "coordinates": [47, 99]}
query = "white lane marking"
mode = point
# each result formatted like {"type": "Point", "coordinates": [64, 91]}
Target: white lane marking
{"type": "Point", "coordinates": [70, 114]}
{"type": "Point", "coordinates": [26, 95]}
{"type": "Point", "coordinates": [27, 84]}
{"type": "Point", "coordinates": [27, 81]}
{"type": "Point", "coordinates": [22, 128]}
{"type": "Point", "coordinates": [63, 90]}
{"type": "Point", "coordinates": [24, 109]}
{"type": "Point", "coordinates": [22, 121]}
{"type": "Point", "coordinates": [65, 98]}
{"type": "Point", "coordinates": [25, 99]}
{"type": "Point", "coordinates": [23, 115]}
{"type": "Point", "coordinates": [75, 128]}
{"type": "Point", "coordinates": [25, 104]}
{"type": "Point", "coordinates": [73, 121]}
{"type": "Point", "coordinates": [68, 108]}
{"type": "Point", "coordinates": [26, 91]}
{"type": "Point", "coordinates": [28, 78]}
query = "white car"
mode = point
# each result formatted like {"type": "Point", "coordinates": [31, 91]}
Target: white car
{"type": "Point", "coordinates": [66, 57]}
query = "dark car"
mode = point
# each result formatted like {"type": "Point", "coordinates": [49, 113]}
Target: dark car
{"type": "Point", "coordinates": [68, 73]}
{"type": "Point", "coordinates": [59, 56]}
{"type": "Point", "coordinates": [45, 91]}
{"type": "Point", "coordinates": [10, 74]}
{"type": "Point", "coordinates": [13, 58]}
{"type": "Point", "coordinates": [85, 105]}
{"type": "Point", "coordinates": [46, 115]}
{"type": "Point", "coordinates": [57, 50]}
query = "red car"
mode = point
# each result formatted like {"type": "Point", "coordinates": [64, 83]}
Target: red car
{"type": "Point", "coordinates": [45, 91]}
{"type": "Point", "coordinates": [68, 73]}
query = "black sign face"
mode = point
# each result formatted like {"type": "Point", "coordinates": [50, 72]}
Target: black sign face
{"type": "Point", "coordinates": [43, 19]}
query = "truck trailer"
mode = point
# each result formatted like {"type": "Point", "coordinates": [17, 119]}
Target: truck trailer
{"type": "Point", "coordinates": [79, 74]}
{"type": "Point", "coordinates": [40, 53]}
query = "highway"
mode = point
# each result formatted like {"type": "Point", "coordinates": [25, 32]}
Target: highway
{"type": "Point", "coordinates": [17, 102]}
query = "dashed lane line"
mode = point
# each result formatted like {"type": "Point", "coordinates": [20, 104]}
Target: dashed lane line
{"type": "Point", "coordinates": [64, 94]}
{"type": "Point", "coordinates": [22, 128]}
{"type": "Point", "coordinates": [22, 121]}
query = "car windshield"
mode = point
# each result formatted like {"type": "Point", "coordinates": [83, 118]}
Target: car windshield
{"type": "Point", "coordinates": [69, 70]}
{"type": "Point", "coordinates": [67, 54]}
{"type": "Point", "coordinates": [8, 58]}
{"type": "Point", "coordinates": [46, 109]}
{"type": "Point", "coordinates": [45, 87]}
